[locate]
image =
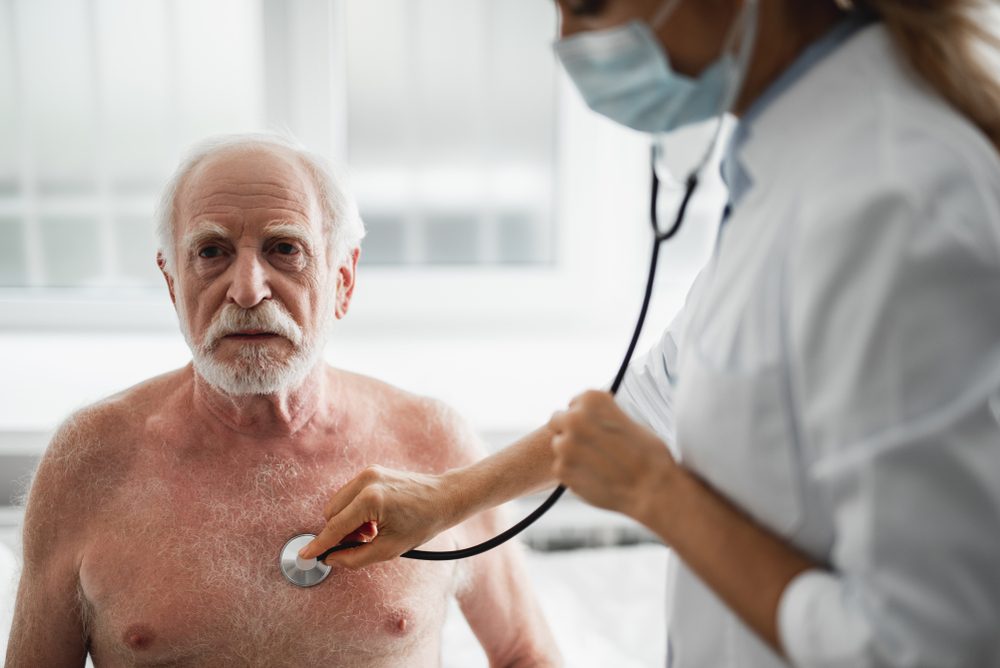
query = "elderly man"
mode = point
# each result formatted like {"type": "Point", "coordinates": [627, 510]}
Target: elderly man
{"type": "Point", "coordinates": [156, 516]}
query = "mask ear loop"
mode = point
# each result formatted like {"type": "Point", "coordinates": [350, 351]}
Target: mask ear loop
{"type": "Point", "coordinates": [663, 13]}
{"type": "Point", "coordinates": [744, 31]}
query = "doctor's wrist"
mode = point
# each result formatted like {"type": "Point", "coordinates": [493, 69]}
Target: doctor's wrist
{"type": "Point", "coordinates": [464, 494]}
{"type": "Point", "coordinates": [661, 499]}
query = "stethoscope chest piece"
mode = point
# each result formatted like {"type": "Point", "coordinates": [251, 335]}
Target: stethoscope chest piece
{"type": "Point", "coordinates": [301, 572]}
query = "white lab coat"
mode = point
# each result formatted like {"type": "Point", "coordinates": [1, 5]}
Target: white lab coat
{"type": "Point", "coordinates": [836, 373]}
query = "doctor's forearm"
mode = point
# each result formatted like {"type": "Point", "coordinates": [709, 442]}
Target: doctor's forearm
{"type": "Point", "coordinates": [519, 469]}
{"type": "Point", "coordinates": [747, 566]}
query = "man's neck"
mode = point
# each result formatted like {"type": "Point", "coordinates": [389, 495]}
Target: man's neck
{"type": "Point", "coordinates": [263, 415]}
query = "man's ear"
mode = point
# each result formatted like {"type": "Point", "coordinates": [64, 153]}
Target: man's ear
{"type": "Point", "coordinates": [161, 262]}
{"type": "Point", "coordinates": [347, 274]}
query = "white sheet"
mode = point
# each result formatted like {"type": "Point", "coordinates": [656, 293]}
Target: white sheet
{"type": "Point", "coordinates": [606, 607]}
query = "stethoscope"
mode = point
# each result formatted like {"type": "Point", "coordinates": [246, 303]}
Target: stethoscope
{"type": "Point", "coordinates": [310, 572]}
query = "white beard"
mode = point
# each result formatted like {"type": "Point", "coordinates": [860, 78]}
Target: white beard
{"type": "Point", "coordinates": [257, 369]}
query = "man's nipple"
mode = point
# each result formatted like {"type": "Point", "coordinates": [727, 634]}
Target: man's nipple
{"type": "Point", "coordinates": [399, 623]}
{"type": "Point", "coordinates": [138, 637]}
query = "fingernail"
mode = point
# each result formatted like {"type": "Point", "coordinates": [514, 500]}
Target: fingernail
{"type": "Point", "coordinates": [304, 552]}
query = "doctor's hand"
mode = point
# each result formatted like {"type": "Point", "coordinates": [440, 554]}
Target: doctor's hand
{"type": "Point", "coordinates": [607, 458]}
{"type": "Point", "coordinates": [402, 509]}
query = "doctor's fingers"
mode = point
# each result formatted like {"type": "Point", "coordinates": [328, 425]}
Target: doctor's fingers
{"type": "Point", "coordinates": [595, 402]}
{"type": "Point", "coordinates": [577, 423]}
{"type": "Point", "coordinates": [573, 450]}
{"type": "Point", "coordinates": [361, 511]}
{"type": "Point", "coordinates": [370, 553]}
{"type": "Point", "coordinates": [369, 477]}
{"type": "Point", "coordinates": [586, 469]}
{"type": "Point", "coordinates": [599, 410]}
{"type": "Point", "coordinates": [382, 546]}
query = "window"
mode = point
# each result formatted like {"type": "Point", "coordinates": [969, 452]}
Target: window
{"type": "Point", "coordinates": [491, 194]}
{"type": "Point", "coordinates": [450, 111]}
{"type": "Point", "coordinates": [508, 224]}
{"type": "Point", "coordinates": [444, 109]}
{"type": "Point", "coordinates": [95, 99]}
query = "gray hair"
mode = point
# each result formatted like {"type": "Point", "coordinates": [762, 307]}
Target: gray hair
{"type": "Point", "coordinates": [342, 225]}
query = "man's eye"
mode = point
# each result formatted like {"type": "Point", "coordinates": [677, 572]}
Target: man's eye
{"type": "Point", "coordinates": [286, 248]}
{"type": "Point", "coordinates": [210, 252]}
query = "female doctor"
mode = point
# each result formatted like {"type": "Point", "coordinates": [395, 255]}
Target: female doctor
{"type": "Point", "coordinates": [817, 435]}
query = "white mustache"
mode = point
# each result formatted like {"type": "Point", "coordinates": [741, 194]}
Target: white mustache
{"type": "Point", "coordinates": [268, 316]}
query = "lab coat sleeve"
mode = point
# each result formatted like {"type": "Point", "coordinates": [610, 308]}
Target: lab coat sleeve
{"type": "Point", "coordinates": [893, 302]}
{"type": "Point", "coordinates": [646, 394]}
{"type": "Point", "coordinates": [914, 579]}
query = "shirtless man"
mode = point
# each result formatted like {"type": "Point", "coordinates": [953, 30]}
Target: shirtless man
{"type": "Point", "coordinates": [155, 519]}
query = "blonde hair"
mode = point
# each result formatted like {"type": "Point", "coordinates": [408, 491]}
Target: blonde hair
{"type": "Point", "coordinates": [949, 43]}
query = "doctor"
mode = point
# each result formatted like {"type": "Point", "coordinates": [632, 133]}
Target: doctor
{"type": "Point", "coordinates": [817, 435]}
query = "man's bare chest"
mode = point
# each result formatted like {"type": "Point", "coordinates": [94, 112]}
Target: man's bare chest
{"type": "Point", "coordinates": [182, 569]}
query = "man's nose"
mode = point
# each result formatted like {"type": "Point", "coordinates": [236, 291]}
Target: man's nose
{"type": "Point", "coordinates": [249, 285]}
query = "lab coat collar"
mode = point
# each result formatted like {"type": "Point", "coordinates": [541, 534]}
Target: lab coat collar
{"type": "Point", "coordinates": [735, 167]}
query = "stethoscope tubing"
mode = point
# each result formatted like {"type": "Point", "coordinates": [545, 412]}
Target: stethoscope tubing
{"type": "Point", "coordinates": [748, 14]}
{"type": "Point", "coordinates": [659, 237]}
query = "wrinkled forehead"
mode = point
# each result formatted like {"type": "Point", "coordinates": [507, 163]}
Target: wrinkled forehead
{"type": "Point", "coordinates": [249, 185]}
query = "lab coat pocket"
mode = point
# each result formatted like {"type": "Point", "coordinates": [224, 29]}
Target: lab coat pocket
{"type": "Point", "coordinates": [734, 430]}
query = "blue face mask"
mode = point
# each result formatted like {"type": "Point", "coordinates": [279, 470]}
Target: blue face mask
{"type": "Point", "coordinates": [623, 73]}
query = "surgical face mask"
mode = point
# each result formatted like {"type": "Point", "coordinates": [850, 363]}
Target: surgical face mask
{"type": "Point", "coordinates": [623, 73]}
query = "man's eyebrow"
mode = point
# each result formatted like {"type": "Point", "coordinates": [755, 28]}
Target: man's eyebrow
{"type": "Point", "coordinates": [204, 232]}
{"type": "Point", "coordinates": [289, 230]}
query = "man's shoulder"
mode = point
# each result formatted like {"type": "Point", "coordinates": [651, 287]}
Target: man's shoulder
{"type": "Point", "coordinates": [400, 401]}
{"type": "Point", "coordinates": [89, 454]}
{"type": "Point", "coordinates": [107, 422]}
{"type": "Point", "coordinates": [425, 424]}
